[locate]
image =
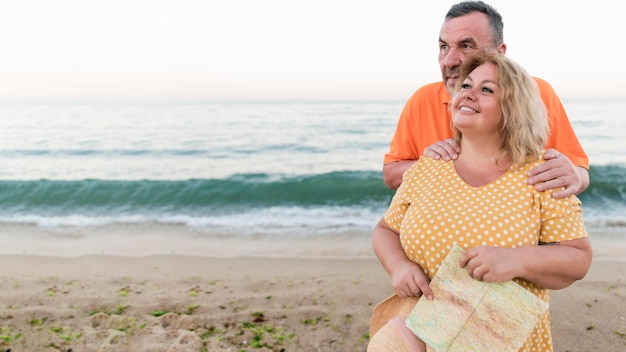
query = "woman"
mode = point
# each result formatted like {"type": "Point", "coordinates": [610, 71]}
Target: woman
{"type": "Point", "coordinates": [481, 203]}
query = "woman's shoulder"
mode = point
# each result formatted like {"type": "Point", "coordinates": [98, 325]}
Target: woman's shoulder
{"type": "Point", "coordinates": [427, 165]}
{"type": "Point", "coordinates": [428, 162]}
{"type": "Point", "coordinates": [532, 163]}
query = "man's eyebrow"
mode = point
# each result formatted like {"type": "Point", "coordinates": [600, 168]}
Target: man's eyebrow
{"type": "Point", "coordinates": [469, 40]}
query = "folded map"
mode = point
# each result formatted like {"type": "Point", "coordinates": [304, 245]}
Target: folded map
{"type": "Point", "coordinates": [471, 315]}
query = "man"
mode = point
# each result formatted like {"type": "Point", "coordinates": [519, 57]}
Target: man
{"type": "Point", "coordinates": [424, 125]}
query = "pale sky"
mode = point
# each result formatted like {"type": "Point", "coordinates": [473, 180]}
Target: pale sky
{"type": "Point", "coordinates": [286, 49]}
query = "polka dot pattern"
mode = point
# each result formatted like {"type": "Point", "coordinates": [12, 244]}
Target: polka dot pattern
{"type": "Point", "coordinates": [435, 209]}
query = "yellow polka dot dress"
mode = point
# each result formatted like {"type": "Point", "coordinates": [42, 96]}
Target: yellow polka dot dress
{"type": "Point", "coordinates": [435, 209]}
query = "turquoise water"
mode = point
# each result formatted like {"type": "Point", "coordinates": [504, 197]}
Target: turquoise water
{"type": "Point", "coordinates": [244, 168]}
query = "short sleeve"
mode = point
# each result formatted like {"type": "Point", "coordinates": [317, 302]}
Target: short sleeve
{"type": "Point", "coordinates": [398, 207]}
{"type": "Point", "coordinates": [401, 201]}
{"type": "Point", "coordinates": [561, 219]}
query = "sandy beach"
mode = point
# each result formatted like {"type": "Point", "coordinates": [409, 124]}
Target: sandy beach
{"type": "Point", "coordinates": [281, 301]}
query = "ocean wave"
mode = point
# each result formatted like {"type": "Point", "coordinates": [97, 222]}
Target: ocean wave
{"type": "Point", "coordinates": [249, 202]}
{"type": "Point", "coordinates": [604, 198]}
{"type": "Point", "coordinates": [345, 188]}
{"type": "Point", "coordinates": [607, 188]}
{"type": "Point", "coordinates": [235, 192]}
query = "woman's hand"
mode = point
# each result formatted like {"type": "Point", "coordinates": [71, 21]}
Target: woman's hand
{"type": "Point", "coordinates": [490, 264]}
{"type": "Point", "coordinates": [409, 280]}
{"type": "Point", "coordinates": [549, 266]}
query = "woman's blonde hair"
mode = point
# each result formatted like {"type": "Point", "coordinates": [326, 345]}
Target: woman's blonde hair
{"type": "Point", "coordinates": [524, 126]}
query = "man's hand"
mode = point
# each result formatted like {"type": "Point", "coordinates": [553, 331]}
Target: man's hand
{"type": "Point", "coordinates": [447, 149]}
{"type": "Point", "coordinates": [558, 171]}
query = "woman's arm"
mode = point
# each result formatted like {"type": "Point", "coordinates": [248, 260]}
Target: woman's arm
{"type": "Point", "coordinates": [407, 278]}
{"type": "Point", "coordinates": [554, 266]}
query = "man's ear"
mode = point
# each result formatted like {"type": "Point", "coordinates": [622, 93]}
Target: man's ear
{"type": "Point", "coordinates": [502, 48]}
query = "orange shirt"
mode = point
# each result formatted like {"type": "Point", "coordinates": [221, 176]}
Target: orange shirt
{"type": "Point", "coordinates": [426, 120]}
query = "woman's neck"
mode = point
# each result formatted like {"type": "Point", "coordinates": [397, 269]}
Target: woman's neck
{"type": "Point", "coordinates": [480, 163]}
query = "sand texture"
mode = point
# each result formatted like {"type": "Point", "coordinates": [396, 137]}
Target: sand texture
{"type": "Point", "coordinates": [191, 303]}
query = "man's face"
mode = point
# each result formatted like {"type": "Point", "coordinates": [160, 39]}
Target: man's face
{"type": "Point", "coordinates": [460, 38]}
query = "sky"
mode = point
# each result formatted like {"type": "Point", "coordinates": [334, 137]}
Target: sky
{"type": "Point", "coordinates": [286, 49]}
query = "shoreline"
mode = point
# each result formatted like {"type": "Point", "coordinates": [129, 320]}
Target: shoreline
{"type": "Point", "coordinates": [139, 240]}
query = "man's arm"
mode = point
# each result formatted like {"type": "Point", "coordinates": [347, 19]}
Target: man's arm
{"type": "Point", "coordinates": [567, 162]}
{"type": "Point", "coordinates": [392, 172]}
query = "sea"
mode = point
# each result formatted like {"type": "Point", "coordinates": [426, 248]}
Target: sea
{"type": "Point", "coordinates": [241, 169]}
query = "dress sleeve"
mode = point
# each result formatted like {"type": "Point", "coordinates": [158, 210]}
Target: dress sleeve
{"type": "Point", "coordinates": [402, 199]}
{"type": "Point", "coordinates": [561, 219]}
{"type": "Point", "coordinates": [398, 207]}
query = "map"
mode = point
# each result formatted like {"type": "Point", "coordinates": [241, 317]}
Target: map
{"type": "Point", "coordinates": [471, 315]}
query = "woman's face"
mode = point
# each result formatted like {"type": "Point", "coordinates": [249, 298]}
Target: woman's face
{"type": "Point", "coordinates": [476, 107]}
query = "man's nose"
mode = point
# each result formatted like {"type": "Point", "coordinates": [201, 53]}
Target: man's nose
{"type": "Point", "coordinates": [453, 58]}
